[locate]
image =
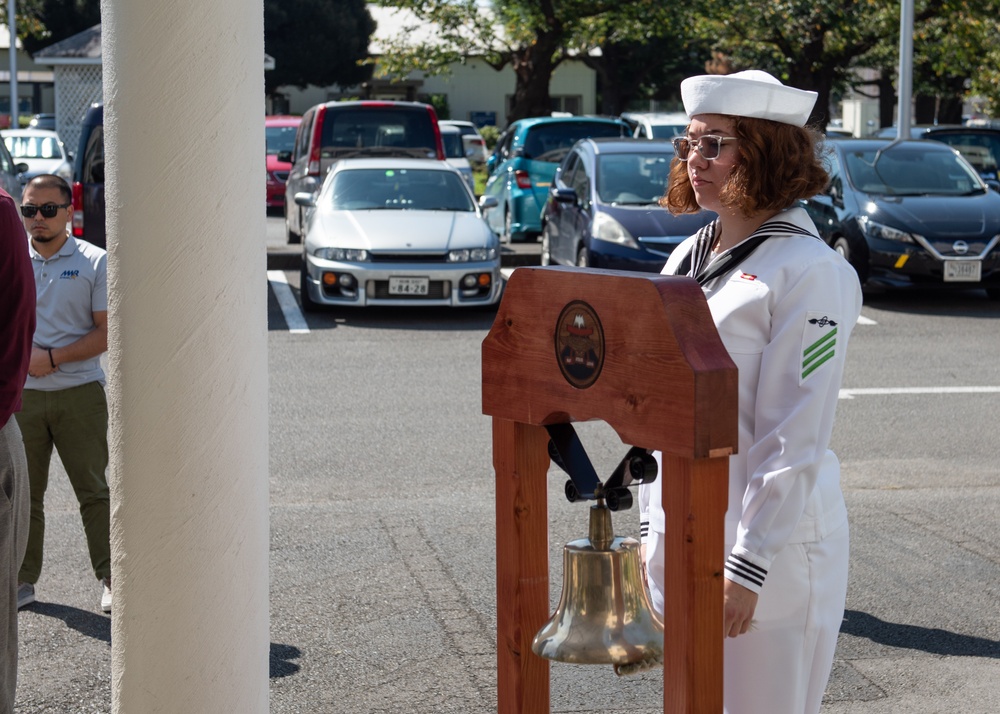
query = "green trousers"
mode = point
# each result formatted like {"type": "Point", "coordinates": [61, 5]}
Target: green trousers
{"type": "Point", "coordinates": [75, 422]}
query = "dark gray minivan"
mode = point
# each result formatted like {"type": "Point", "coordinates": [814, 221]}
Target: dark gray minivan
{"type": "Point", "coordinates": [88, 179]}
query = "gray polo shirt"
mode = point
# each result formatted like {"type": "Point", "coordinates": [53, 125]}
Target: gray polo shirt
{"type": "Point", "coordinates": [69, 288]}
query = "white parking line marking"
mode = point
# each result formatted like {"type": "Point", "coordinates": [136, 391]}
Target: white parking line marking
{"type": "Point", "coordinates": [851, 393]}
{"type": "Point", "coordinates": [286, 301]}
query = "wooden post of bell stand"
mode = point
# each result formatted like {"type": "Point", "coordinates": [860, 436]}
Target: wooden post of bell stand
{"type": "Point", "coordinates": [641, 353]}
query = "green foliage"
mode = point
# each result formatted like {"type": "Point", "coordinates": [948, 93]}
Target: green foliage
{"type": "Point", "coordinates": [440, 104]}
{"type": "Point", "coordinates": [318, 42]}
{"type": "Point", "coordinates": [41, 23]}
{"type": "Point", "coordinates": [490, 136]}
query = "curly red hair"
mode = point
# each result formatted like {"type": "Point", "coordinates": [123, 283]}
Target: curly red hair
{"type": "Point", "coordinates": [779, 164]}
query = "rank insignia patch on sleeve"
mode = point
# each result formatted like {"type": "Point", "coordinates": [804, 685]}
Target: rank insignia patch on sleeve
{"type": "Point", "coordinates": [819, 343]}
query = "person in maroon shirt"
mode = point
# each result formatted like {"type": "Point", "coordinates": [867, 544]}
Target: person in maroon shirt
{"type": "Point", "coordinates": [17, 326]}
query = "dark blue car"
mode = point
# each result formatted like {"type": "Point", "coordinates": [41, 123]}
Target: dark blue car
{"type": "Point", "coordinates": [911, 214]}
{"type": "Point", "coordinates": [603, 210]}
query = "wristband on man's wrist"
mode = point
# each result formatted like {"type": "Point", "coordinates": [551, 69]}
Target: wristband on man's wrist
{"type": "Point", "coordinates": [51, 361]}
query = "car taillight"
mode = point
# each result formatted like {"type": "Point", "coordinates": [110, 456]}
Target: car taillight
{"type": "Point", "coordinates": [317, 140]}
{"type": "Point", "coordinates": [522, 178]}
{"type": "Point", "coordinates": [78, 210]}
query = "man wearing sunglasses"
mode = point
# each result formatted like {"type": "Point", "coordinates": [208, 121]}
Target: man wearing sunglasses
{"type": "Point", "coordinates": [63, 404]}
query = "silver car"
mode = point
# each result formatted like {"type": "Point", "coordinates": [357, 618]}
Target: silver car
{"type": "Point", "coordinates": [42, 150]}
{"type": "Point", "coordinates": [397, 232]}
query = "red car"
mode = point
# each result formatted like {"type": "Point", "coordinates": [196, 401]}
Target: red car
{"type": "Point", "coordinates": [279, 135]}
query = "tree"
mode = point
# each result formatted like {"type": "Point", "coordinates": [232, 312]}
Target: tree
{"type": "Point", "coordinates": [532, 36]}
{"type": "Point", "coordinates": [41, 23]}
{"type": "Point", "coordinates": [318, 42]}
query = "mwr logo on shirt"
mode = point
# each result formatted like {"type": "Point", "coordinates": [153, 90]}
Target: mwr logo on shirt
{"type": "Point", "coordinates": [69, 275]}
{"type": "Point", "coordinates": [819, 343]}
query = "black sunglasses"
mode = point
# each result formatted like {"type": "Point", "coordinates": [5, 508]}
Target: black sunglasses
{"type": "Point", "coordinates": [49, 210]}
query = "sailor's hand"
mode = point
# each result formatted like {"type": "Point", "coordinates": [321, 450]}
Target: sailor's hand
{"type": "Point", "coordinates": [739, 606]}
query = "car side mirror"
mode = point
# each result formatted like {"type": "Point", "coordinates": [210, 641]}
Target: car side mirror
{"type": "Point", "coordinates": [21, 167]}
{"type": "Point", "coordinates": [565, 195]}
{"type": "Point", "coordinates": [306, 200]}
{"type": "Point", "coordinates": [285, 156]}
{"type": "Point", "coordinates": [994, 184]}
{"type": "Point", "coordinates": [488, 202]}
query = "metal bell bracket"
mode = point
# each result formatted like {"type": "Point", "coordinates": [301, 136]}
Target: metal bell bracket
{"type": "Point", "coordinates": [567, 452]}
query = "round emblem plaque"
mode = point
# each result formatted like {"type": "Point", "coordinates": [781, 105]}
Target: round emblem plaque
{"type": "Point", "coordinates": [579, 344]}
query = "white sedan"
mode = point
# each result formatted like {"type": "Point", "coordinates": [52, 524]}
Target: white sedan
{"type": "Point", "coordinates": [42, 150]}
{"type": "Point", "coordinates": [397, 232]}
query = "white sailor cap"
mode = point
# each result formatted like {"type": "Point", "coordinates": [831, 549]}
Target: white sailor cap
{"type": "Point", "coordinates": [751, 93]}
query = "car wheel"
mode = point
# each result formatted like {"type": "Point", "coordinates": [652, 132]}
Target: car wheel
{"type": "Point", "coordinates": [546, 247]}
{"type": "Point", "coordinates": [583, 257]}
{"type": "Point", "coordinates": [294, 237]}
{"type": "Point", "coordinates": [307, 302]}
{"type": "Point", "coordinates": [505, 237]}
{"type": "Point", "coordinates": [843, 247]}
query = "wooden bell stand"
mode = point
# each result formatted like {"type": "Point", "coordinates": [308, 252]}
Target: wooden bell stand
{"type": "Point", "coordinates": [663, 381]}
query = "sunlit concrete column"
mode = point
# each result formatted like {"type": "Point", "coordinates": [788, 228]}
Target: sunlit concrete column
{"type": "Point", "coordinates": [183, 89]}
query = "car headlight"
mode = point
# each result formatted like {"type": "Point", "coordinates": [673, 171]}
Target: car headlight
{"type": "Point", "coordinates": [607, 228]}
{"type": "Point", "coordinates": [871, 229]}
{"type": "Point", "coordinates": [472, 255]}
{"type": "Point", "coordinates": [351, 255]}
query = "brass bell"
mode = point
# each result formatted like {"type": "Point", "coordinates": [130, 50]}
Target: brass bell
{"type": "Point", "coordinates": [604, 615]}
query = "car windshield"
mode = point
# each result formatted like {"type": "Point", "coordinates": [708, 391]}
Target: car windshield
{"type": "Point", "coordinates": [637, 179]}
{"type": "Point", "coordinates": [33, 147]}
{"type": "Point", "coordinates": [668, 131]}
{"type": "Point", "coordinates": [911, 171]}
{"type": "Point", "coordinates": [551, 142]}
{"type": "Point", "coordinates": [399, 189]}
{"type": "Point", "coordinates": [453, 147]}
{"type": "Point", "coordinates": [279, 138]}
{"type": "Point", "coordinates": [375, 131]}
{"type": "Point", "coordinates": [980, 150]}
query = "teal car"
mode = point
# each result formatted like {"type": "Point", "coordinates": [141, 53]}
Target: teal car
{"type": "Point", "coordinates": [524, 163]}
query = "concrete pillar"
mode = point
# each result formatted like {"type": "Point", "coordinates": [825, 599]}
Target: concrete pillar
{"type": "Point", "coordinates": [184, 104]}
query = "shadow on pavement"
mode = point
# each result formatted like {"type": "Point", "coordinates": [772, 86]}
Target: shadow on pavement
{"type": "Point", "coordinates": [914, 637]}
{"type": "Point", "coordinates": [280, 654]}
{"type": "Point", "coordinates": [91, 624]}
{"type": "Point", "coordinates": [98, 626]}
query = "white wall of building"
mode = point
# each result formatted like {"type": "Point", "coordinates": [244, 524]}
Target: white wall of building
{"type": "Point", "coordinates": [473, 87]}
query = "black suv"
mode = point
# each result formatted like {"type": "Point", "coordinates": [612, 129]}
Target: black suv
{"type": "Point", "coordinates": [88, 179]}
{"type": "Point", "coordinates": [342, 130]}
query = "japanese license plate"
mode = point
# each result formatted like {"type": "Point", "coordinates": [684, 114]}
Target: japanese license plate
{"type": "Point", "coordinates": [963, 271]}
{"type": "Point", "coordinates": [409, 286]}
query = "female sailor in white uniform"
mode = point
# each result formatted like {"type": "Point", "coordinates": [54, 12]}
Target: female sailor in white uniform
{"type": "Point", "coordinates": [784, 304]}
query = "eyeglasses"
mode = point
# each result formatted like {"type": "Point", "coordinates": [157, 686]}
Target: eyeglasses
{"type": "Point", "coordinates": [49, 210]}
{"type": "Point", "coordinates": [708, 145]}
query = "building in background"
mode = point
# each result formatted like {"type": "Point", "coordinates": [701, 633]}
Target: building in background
{"type": "Point", "coordinates": [35, 93]}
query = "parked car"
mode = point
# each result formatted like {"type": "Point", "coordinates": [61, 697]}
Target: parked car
{"type": "Point", "coordinates": [341, 130]}
{"type": "Point", "coordinates": [916, 214]}
{"type": "Point", "coordinates": [10, 173]}
{"type": "Point", "coordinates": [454, 151]}
{"type": "Point", "coordinates": [43, 152]}
{"type": "Point", "coordinates": [279, 137]}
{"type": "Point", "coordinates": [603, 209]}
{"type": "Point", "coordinates": [88, 179]}
{"type": "Point", "coordinates": [43, 121]}
{"type": "Point", "coordinates": [979, 145]}
{"type": "Point", "coordinates": [523, 163]}
{"type": "Point", "coordinates": [917, 131]}
{"type": "Point", "coordinates": [397, 232]}
{"type": "Point", "coordinates": [657, 125]}
{"type": "Point", "coordinates": [475, 144]}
